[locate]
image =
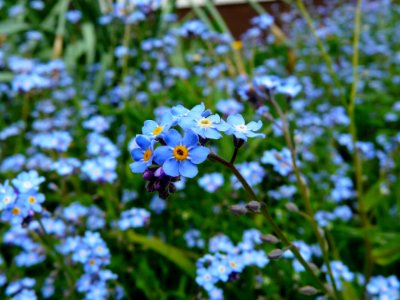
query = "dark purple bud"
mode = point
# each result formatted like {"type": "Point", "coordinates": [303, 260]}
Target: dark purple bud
{"type": "Point", "coordinates": [171, 188]}
{"type": "Point", "coordinates": [28, 219]}
{"type": "Point", "coordinates": [238, 209]}
{"type": "Point", "coordinates": [148, 174]}
{"type": "Point", "coordinates": [233, 276]}
{"type": "Point", "coordinates": [150, 187]}
{"type": "Point", "coordinates": [254, 206]}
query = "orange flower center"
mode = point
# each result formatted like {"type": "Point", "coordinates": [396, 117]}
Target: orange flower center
{"type": "Point", "coordinates": [147, 155]}
{"type": "Point", "coordinates": [180, 152]}
{"type": "Point", "coordinates": [16, 211]}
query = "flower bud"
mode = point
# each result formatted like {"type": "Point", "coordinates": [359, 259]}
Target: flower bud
{"type": "Point", "coordinates": [292, 207]}
{"type": "Point", "coordinates": [238, 209]}
{"type": "Point", "coordinates": [308, 290]}
{"type": "Point", "coordinates": [254, 206]}
{"type": "Point", "coordinates": [275, 254]}
{"type": "Point", "coordinates": [148, 174]}
{"type": "Point", "coordinates": [269, 238]}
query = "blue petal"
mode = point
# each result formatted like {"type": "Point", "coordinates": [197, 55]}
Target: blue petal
{"type": "Point", "coordinates": [161, 154]}
{"type": "Point", "coordinates": [137, 154]}
{"type": "Point", "coordinates": [223, 126]}
{"type": "Point", "coordinates": [236, 119]}
{"type": "Point", "coordinates": [171, 167]}
{"type": "Point", "coordinates": [190, 139]}
{"type": "Point", "coordinates": [173, 138]}
{"type": "Point", "coordinates": [212, 134]}
{"type": "Point", "coordinates": [187, 122]}
{"type": "Point", "coordinates": [240, 135]}
{"type": "Point", "coordinates": [149, 127]}
{"type": "Point", "coordinates": [187, 169]}
{"type": "Point", "coordinates": [142, 142]}
{"type": "Point", "coordinates": [199, 154]}
{"type": "Point", "coordinates": [254, 125]}
{"type": "Point", "coordinates": [138, 166]}
{"type": "Point", "coordinates": [198, 109]}
{"type": "Point", "coordinates": [214, 118]}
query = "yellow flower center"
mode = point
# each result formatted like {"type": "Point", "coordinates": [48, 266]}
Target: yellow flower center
{"type": "Point", "coordinates": [16, 211]}
{"type": "Point", "coordinates": [232, 264]}
{"type": "Point", "coordinates": [92, 262]}
{"type": "Point", "coordinates": [158, 130]}
{"type": "Point", "coordinates": [205, 123]}
{"type": "Point", "coordinates": [32, 200]}
{"type": "Point", "coordinates": [6, 199]}
{"type": "Point", "coordinates": [180, 152]}
{"type": "Point", "coordinates": [147, 155]}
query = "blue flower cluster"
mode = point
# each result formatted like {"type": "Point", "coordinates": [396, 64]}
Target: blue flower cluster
{"type": "Point", "coordinates": [211, 182]}
{"type": "Point", "coordinates": [134, 218]}
{"type": "Point", "coordinates": [253, 172]}
{"type": "Point", "coordinates": [21, 202]}
{"type": "Point", "coordinates": [93, 254]}
{"type": "Point", "coordinates": [342, 212]}
{"type": "Point", "coordinates": [178, 155]}
{"type": "Point", "coordinates": [22, 289]}
{"type": "Point", "coordinates": [382, 288]}
{"type": "Point", "coordinates": [227, 261]}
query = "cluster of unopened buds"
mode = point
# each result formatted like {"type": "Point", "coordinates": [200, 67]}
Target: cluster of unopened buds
{"type": "Point", "coordinates": [177, 156]}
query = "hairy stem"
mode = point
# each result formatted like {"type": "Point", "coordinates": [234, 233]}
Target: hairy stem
{"type": "Point", "coordinates": [305, 193]}
{"type": "Point", "coordinates": [268, 217]}
{"type": "Point", "coordinates": [356, 155]}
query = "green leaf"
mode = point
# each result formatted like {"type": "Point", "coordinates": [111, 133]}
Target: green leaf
{"type": "Point", "coordinates": [172, 253]}
{"type": "Point", "coordinates": [6, 76]}
{"type": "Point", "coordinates": [12, 27]}
{"type": "Point", "coordinates": [89, 36]}
{"type": "Point", "coordinates": [373, 196]}
{"type": "Point", "coordinates": [388, 253]}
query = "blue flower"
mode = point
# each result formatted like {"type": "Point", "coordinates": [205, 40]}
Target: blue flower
{"type": "Point", "coordinates": [143, 155]}
{"type": "Point", "coordinates": [201, 122]}
{"type": "Point", "coordinates": [181, 155]}
{"type": "Point", "coordinates": [27, 181]}
{"type": "Point", "coordinates": [33, 201]}
{"type": "Point", "coordinates": [242, 131]}
{"type": "Point", "coordinates": [7, 195]}
{"type": "Point", "coordinates": [153, 129]}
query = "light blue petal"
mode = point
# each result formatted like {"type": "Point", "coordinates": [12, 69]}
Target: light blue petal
{"type": "Point", "coordinates": [187, 122]}
{"type": "Point", "coordinates": [149, 127]}
{"type": "Point", "coordinates": [254, 125]}
{"type": "Point", "coordinates": [214, 118]}
{"type": "Point", "coordinates": [190, 139]}
{"type": "Point", "coordinates": [198, 109]}
{"type": "Point", "coordinates": [236, 119]}
{"type": "Point", "coordinates": [142, 142]}
{"type": "Point", "coordinates": [161, 154]}
{"type": "Point", "coordinates": [240, 135]}
{"type": "Point", "coordinates": [199, 154]}
{"type": "Point", "coordinates": [138, 167]}
{"type": "Point", "coordinates": [223, 126]}
{"type": "Point", "coordinates": [212, 134]}
{"type": "Point", "coordinates": [171, 167]}
{"type": "Point", "coordinates": [187, 169]}
{"type": "Point", "coordinates": [137, 154]}
{"type": "Point", "coordinates": [173, 138]}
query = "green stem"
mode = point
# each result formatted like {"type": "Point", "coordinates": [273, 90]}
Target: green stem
{"type": "Point", "coordinates": [324, 54]}
{"type": "Point", "coordinates": [268, 217]}
{"type": "Point", "coordinates": [305, 193]}
{"type": "Point", "coordinates": [56, 256]}
{"type": "Point", "coordinates": [356, 155]}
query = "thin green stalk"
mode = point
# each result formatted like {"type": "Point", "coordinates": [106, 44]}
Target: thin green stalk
{"type": "Point", "coordinates": [356, 156]}
{"type": "Point", "coordinates": [268, 217]}
{"type": "Point", "coordinates": [324, 54]}
{"type": "Point", "coordinates": [305, 193]}
{"type": "Point", "coordinates": [45, 237]}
